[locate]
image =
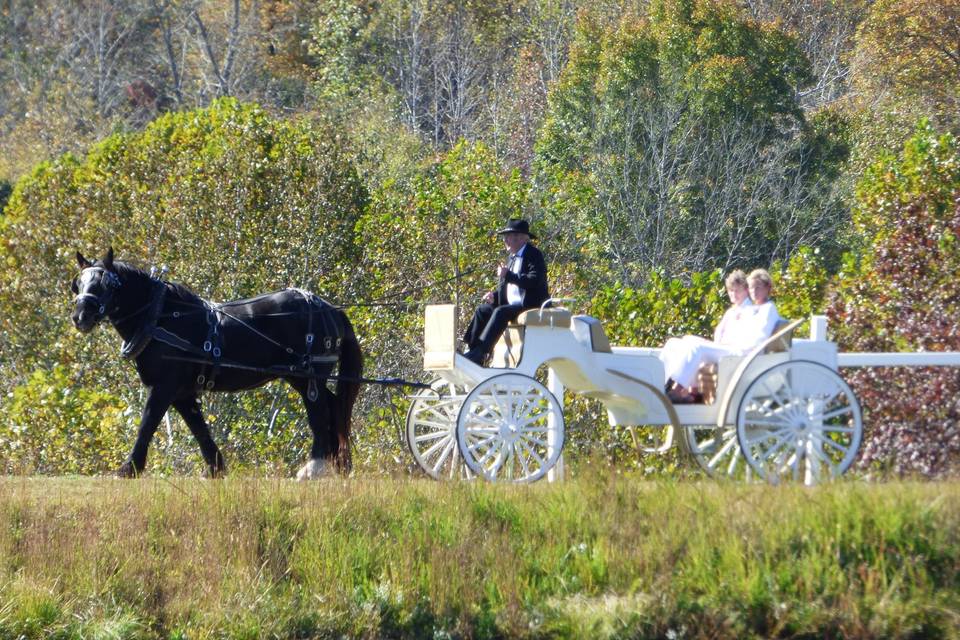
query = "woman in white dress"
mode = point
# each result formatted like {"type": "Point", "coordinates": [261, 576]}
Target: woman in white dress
{"type": "Point", "coordinates": [747, 323]}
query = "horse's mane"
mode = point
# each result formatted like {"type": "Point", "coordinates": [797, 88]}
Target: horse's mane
{"type": "Point", "coordinates": [129, 272]}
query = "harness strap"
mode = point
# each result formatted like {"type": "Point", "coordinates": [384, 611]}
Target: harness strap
{"type": "Point", "coordinates": [313, 390]}
{"type": "Point", "coordinates": [134, 346]}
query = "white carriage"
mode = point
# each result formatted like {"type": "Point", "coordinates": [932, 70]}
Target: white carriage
{"type": "Point", "coordinates": [781, 411]}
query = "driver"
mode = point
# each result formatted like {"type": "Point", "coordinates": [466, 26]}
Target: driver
{"type": "Point", "coordinates": [522, 285]}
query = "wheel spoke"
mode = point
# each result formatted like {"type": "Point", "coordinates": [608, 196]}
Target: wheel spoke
{"type": "Point", "coordinates": [776, 450]}
{"type": "Point", "coordinates": [533, 454]}
{"type": "Point", "coordinates": [734, 460]}
{"type": "Point", "coordinates": [501, 458]}
{"type": "Point", "coordinates": [491, 422]}
{"type": "Point", "coordinates": [763, 435]}
{"type": "Point", "coordinates": [727, 445]}
{"type": "Point", "coordinates": [836, 413]}
{"type": "Point", "coordinates": [816, 454]}
{"type": "Point", "coordinates": [521, 409]}
{"type": "Point", "coordinates": [829, 441]}
{"type": "Point", "coordinates": [775, 394]}
{"type": "Point", "coordinates": [773, 424]}
{"type": "Point", "coordinates": [433, 435]}
{"type": "Point", "coordinates": [429, 452]}
{"type": "Point", "coordinates": [492, 451]}
{"type": "Point", "coordinates": [482, 430]}
{"type": "Point", "coordinates": [451, 445]}
{"type": "Point", "coordinates": [523, 462]}
{"type": "Point", "coordinates": [479, 442]}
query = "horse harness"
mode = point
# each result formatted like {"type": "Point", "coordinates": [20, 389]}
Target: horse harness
{"type": "Point", "coordinates": [319, 350]}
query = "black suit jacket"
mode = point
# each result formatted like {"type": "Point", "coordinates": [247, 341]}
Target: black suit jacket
{"type": "Point", "coordinates": [532, 280]}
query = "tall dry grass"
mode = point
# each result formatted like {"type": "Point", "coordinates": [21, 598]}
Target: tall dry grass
{"type": "Point", "coordinates": [600, 556]}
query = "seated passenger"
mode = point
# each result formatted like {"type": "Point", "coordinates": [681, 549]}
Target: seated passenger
{"type": "Point", "coordinates": [746, 324]}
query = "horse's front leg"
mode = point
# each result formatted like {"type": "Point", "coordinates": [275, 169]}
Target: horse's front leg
{"type": "Point", "coordinates": [157, 404]}
{"type": "Point", "coordinates": [189, 409]}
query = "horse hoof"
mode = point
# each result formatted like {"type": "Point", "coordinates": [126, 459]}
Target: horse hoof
{"type": "Point", "coordinates": [127, 470]}
{"type": "Point", "coordinates": [314, 469]}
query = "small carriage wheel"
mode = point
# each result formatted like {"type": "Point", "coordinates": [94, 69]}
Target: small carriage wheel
{"type": "Point", "coordinates": [716, 451]}
{"type": "Point", "coordinates": [431, 430]}
{"type": "Point", "coordinates": [799, 420]}
{"type": "Point", "coordinates": [510, 427]}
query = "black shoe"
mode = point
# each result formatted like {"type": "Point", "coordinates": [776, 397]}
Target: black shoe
{"type": "Point", "coordinates": [475, 356]}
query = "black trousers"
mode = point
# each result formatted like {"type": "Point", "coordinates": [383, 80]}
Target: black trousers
{"type": "Point", "coordinates": [488, 324]}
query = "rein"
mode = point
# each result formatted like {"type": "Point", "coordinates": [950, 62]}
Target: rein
{"type": "Point", "coordinates": [400, 294]}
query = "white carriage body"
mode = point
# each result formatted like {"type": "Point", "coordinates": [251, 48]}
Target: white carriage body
{"type": "Point", "coordinates": [783, 403]}
{"type": "Point", "coordinates": [627, 380]}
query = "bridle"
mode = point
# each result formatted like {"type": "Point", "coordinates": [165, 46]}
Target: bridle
{"type": "Point", "coordinates": [109, 282]}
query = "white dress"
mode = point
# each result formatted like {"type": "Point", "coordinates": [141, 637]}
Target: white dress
{"type": "Point", "coordinates": [742, 328]}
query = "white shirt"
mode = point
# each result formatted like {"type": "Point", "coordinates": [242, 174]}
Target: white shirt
{"type": "Point", "coordinates": [514, 295]}
{"type": "Point", "coordinates": [726, 332]}
{"type": "Point", "coordinates": [755, 325]}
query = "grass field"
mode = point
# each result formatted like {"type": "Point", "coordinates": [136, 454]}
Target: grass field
{"type": "Point", "coordinates": [603, 556]}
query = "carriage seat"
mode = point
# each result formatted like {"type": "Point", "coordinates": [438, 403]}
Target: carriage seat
{"type": "Point", "coordinates": [707, 374]}
{"type": "Point", "coordinates": [589, 332]}
{"type": "Point", "coordinates": [509, 348]}
{"type": "Point", "coordinates": [553, 317]}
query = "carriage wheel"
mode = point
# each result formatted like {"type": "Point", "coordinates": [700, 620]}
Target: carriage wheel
{"type": "Point", "coordinates": [716, 451]}
{"type": "Point", "coordinates": [799, 420]}
{"type": "Point", "coordinates": [431, 430]}
{"type": "Point", "coordinates": [510, 427]}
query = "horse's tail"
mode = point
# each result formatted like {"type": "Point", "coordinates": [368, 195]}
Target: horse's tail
{"type": "Point", "coordinates": [348, 388]}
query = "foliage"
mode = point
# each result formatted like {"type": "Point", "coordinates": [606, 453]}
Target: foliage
{"type": "Point", "coordinates": [901, 295]}
{"type": "Point", "coordinates": [800, 286]}
{"type": "Point", "coordinates": [605, 556]}
{"type": "Point", "coordinates": [683, 131]}
{"type": "Point", "coordinates": [53, 424]}
{"type": "Point", "coordinates": [662, 308]}
{"type": "Point", "coordinates": [907, 58]}
{"type": "Point", "coordinates": [233, 201]}
{"type": "Point", "coordinates": [5, 190]}
{"type": "Point", "coordinates": [905, 67]}
{"type": "Point", "coordinates": [428, 238]}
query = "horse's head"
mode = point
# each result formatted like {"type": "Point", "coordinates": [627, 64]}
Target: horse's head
{"type": "Point", "coordinates": [95, 289]}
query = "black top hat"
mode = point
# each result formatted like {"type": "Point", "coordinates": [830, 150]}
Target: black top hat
{"type": "Point", "coordinates": [516, 225]}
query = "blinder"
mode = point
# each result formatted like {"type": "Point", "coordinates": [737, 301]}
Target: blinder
{"type": "Point", "coordinates": [109, 283]}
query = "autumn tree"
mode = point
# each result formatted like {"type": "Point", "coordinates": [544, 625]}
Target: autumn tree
{"type": "Point", "coordinates": [676, 141]}
{"type": "Point", "coordinates": [901, 295]}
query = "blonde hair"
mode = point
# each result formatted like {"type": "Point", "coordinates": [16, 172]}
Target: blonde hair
{"type": "Point", "coordinates": [761, 275]}
{"type": "Point", "coordinates": [736, 278]}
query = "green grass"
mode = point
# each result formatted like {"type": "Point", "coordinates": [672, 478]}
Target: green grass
{"type": "Point", "coordinates": [601, 556]}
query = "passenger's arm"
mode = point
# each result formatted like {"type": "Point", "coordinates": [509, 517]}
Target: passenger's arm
{"type": "Point", "coordinates": [767, 320]}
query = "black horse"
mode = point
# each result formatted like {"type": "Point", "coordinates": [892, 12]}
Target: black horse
{"type": "Point", "coordinates": [183, 345]}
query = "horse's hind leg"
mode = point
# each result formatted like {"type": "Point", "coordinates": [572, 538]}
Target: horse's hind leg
{"type": "Point", "coordinates": [323, 452]}
{"type": "Point", "coordinates": [189, 409]}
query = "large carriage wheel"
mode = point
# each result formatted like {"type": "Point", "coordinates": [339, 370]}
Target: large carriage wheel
{"type": "Point", "coordinates": [716, 451]}
{"type": "Point", "coordinates": [799, 420]}
{"type": "Point", "coordinates": [431, 430]}
{"type": "Point", "coordinates": [510, 427]}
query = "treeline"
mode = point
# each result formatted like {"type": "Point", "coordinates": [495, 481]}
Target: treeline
{"type": "Point", "coordinates": [366, 149]}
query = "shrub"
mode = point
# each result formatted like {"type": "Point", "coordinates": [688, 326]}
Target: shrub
{"type": "Point", "coordinates": [234, 201]}
{"type": "Point", "coordinates": [902, 295]}
{"type": "Point", "coordinates": [52, 423]}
